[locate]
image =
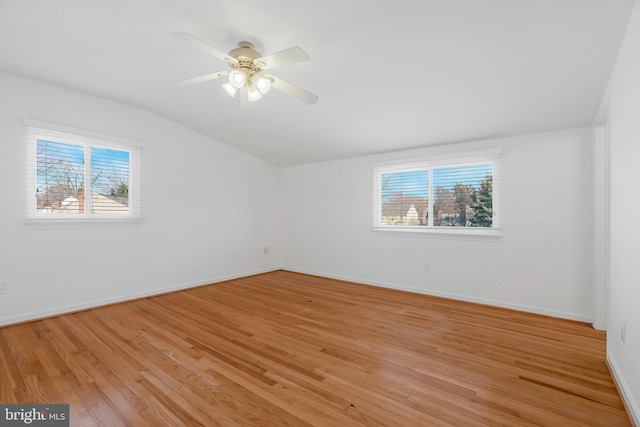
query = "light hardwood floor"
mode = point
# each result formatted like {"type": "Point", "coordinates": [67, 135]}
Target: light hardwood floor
{"type": "Point", "coordinates": [282, 349]}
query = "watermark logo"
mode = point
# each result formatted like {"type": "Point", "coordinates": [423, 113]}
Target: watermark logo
{"type": "Point", "coordinates": [34, 415]}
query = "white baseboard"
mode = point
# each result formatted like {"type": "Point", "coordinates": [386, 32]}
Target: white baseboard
{"type": "Point", "coordinates": [35, 315]}
{"type": "Point", "coordinates": [450, 295]}
{"type": "Point", "coordinates": [629, 403]}
{"type": "Point", "coordinates": [97, 303]}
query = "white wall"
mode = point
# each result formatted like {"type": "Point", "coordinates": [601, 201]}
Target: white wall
{"type": "Point", "coordinates": [600, 226]}
{"type": "Point", "coordinates": [624, 292]}
{"type": "Point", "coordinates": [208, 211]}
{"type": "Point", "coordinates": [542, 263]}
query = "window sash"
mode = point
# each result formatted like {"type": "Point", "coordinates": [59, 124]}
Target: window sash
{"type": "Point", "coordinates": [421, 218]}
{"type": "Point", "coordinates": [97, 205]}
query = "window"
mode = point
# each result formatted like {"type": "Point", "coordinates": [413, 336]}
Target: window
{"type": "Point", "coordinates": [458, 195]}
{"type": "Point", "coordinates": [80, 177]}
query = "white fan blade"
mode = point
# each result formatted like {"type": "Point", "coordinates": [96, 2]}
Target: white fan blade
{"type": "Point", "coordinates": [200, 79]}
{"type": "Point", "coordinates": [294, 90]}
{"type": "Point", "coordinates": [284, 57]}
{"type": "Point", "coordinates": [206, 47]}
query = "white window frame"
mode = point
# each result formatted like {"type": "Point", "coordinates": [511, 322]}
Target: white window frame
{"type": "Point", "coordinates": [470, 158]}
{"type": "Point", "coordinates": [37, 130]}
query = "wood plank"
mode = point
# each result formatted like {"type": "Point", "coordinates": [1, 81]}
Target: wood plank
{"type": "Point", "coordinates": [290, 349]}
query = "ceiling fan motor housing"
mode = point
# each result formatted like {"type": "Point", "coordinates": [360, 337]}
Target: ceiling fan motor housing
{"type": "Point", "coordinates": [246, 54]}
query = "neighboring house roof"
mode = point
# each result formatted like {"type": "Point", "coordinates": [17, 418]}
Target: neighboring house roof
{"type": "Point", "coordinates": [100, 202]}
{"type": "Point", "coordinates": [412, 216]}
{"type": "Point", "coordinates": [400, 206]}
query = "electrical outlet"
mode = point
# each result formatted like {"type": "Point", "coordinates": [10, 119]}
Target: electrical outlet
{"type": "Point", "coordinates": [426, 267]}
{"type": "Point", "coordinates": [4, 287]}
{"type": "Point", "coordinates": [623, 332]}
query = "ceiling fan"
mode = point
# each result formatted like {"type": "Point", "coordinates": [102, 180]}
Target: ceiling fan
{"type": "Point", "coordinates": [247, 66]}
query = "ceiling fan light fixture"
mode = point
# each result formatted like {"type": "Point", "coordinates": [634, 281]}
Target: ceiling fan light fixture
{"type": "Point", "coordinates": [237, 78]}
{"type": "Point", "coordinates": [253, 94]}
{"type": "Point", "coordinates": [230, 89]}
{"type": "Point", "coordinates": [263, 84]}
{"type": "Point", "coordinates": [246, 65]}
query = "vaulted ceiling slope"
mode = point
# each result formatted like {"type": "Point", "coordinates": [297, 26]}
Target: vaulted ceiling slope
{"type": "Point", "coordinates": [390, 75]}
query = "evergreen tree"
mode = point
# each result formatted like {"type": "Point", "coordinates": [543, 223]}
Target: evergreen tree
{"type": "Point", "coordinates": [122, 190]}
{"type": "Point", "coordinates": [482, 204]}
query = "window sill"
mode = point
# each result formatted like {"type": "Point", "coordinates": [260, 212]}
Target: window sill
{"type": "Point", "coordinates": [66, 224]}
{"type": "Point", "coordinates": [442, 232]}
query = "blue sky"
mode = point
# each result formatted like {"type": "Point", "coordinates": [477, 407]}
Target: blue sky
{"type": "Point", "coordinates": [109, 167]}
{"type": "Point", "coordinates": [417, 182]}
{"type": "Point", "coordinates": [414, 183]}
{"type": "Point", "coordinates": [114, 165]}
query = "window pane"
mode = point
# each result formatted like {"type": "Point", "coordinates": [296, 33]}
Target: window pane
{"type": "Point", "coordinates": [463, 196]}
{"type": "Point", "coordinates": [60, 177]}
{"type": "Point", "coordinates": [109, 181]}
{"type": "Point", "coordinates": [405, 198]}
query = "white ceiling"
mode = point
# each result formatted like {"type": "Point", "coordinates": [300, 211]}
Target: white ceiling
{"type": "Point", "coordinates": [390, 75]}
